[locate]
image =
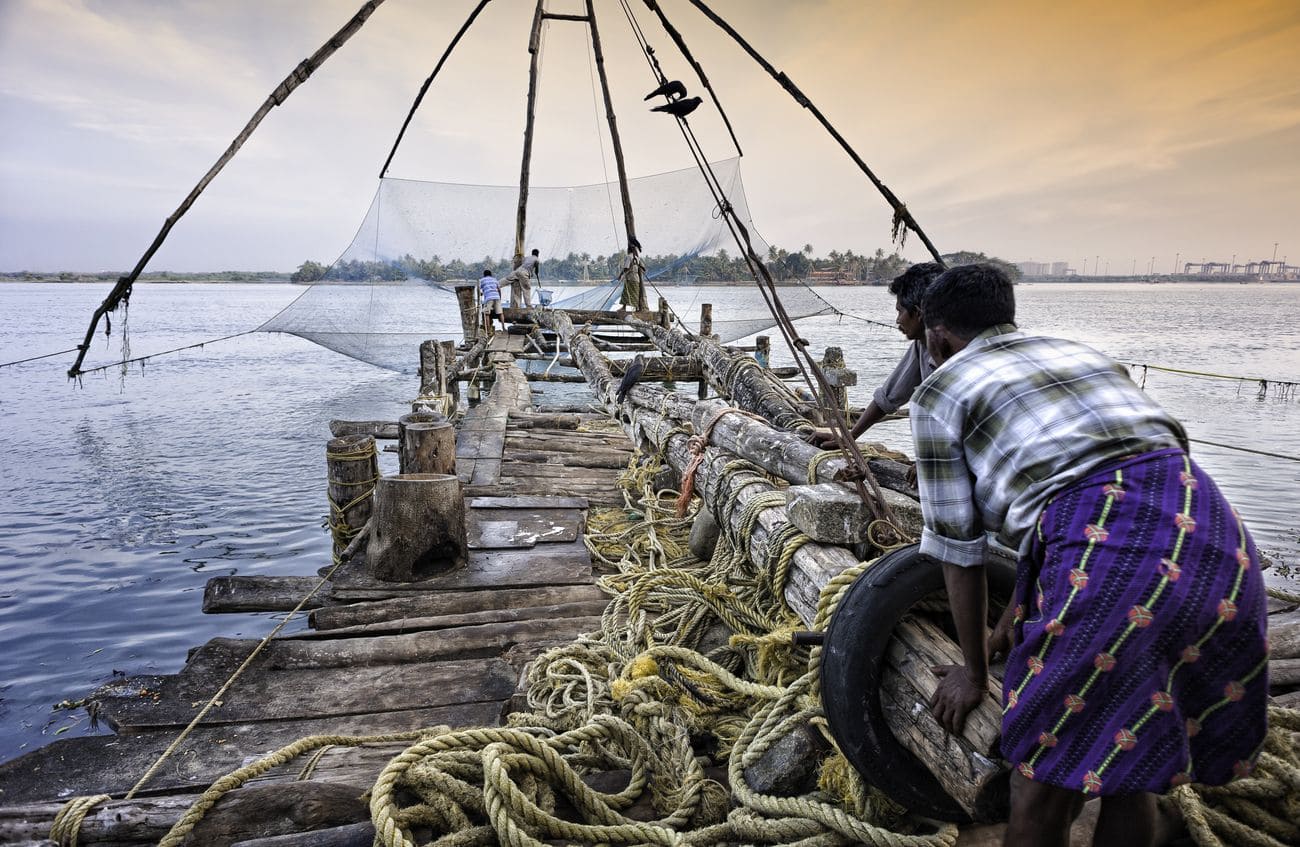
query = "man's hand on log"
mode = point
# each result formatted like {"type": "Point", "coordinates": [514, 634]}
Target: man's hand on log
{"type": "Point", "coordinates": [956, 697]}
{"type": "Point", "coordinates": [824, 437]}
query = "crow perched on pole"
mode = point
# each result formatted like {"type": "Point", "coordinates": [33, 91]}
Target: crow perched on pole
{"type": "Point", "coordinates": [679, 108]}
{"type": "Point", "coordinates": [630, 377]}
{"type": "Point", "coordinates": [672, 90]}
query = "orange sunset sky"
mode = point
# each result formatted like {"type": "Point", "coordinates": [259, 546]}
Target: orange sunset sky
{"type": "Point", "coordinates": [1108, 132]}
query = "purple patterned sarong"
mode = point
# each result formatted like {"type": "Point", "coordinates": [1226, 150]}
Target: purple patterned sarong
{"type": "Point", "coordinates": [1141, 659]}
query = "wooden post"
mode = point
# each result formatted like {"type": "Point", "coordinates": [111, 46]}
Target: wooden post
{"type": "Point", "coordinates": [353, 468]}
{"type": "Point", "coordinates": [665, 316]}
{"type": "Point", "coordinates": [418, 529]}
{"type": "Point", "coordinates": [763, 350]}
{"type": "Point", "coordinates": [430, 354]}
{"type": "Point", "coordinates": [427, 447]}
{"type": "Point", "coordinates": [839, 376]}
{"type": "Point", "coordinates": [534, 50]}
{"type": "Point", "coordinates": [467, 299]}
{"type": "Point", "coordinates": [706, 331]}
{"type": "Point", "coordinates": [617, 146]}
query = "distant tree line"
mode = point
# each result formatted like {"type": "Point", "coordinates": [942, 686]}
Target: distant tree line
{"type": "Point", "coordinates": [784, 265]}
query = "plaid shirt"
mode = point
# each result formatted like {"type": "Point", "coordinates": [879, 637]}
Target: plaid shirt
{"type": "Point", "coordinates": [1009, 421]}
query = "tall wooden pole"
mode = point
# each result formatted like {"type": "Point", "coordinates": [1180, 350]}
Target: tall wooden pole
{"type": "Point", "coordinates": [628, 222]}
{"type": "Point", "coordinates": [534, 49]}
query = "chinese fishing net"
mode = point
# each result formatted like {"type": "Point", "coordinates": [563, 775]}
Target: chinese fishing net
{"type": "Point", "coordinates": [393, 287]}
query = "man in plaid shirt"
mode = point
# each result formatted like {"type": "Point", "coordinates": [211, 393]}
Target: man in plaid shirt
{"type": "Point", "coordinates": [1136, 651]}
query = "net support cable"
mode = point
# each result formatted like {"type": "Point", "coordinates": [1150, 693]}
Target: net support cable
{"type": "Point", "coordinates": [419, 98]}
{"type": "Point", "coordinates": [864, 480]}
{"type": "Point", "coordinates": [903, 219]}
{"type": "Point", "coordinates": [121, 292]}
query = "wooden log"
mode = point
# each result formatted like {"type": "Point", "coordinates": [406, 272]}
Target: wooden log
{"type": "Point", "coordinates": [763, 351]}
{"type": "Point", "coordinates": [1284, 636]}
{"type": "Point", "coordinates": [353, 468]}
{"type": "Point", "coordinates": [252, 811]}
{"type": "Point", "coordinates": [1283, 673]}
{"type": "Point", "coordinates": [427, 448]}
{"type": "Point", "coordinates": [973, 774]}
{"type": "Point", "coordinates": [534, 56]}
{"type": "Point", "coordinates": [418, 530]}
{"type": "Point", "coordinates": [261, 593]}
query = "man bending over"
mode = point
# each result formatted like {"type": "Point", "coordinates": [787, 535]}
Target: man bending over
{"type": "Point", "coordinates": [1137, 655]}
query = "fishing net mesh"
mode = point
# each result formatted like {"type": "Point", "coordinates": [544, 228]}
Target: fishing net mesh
{"type": "Point", "coordinates": [393, 287]}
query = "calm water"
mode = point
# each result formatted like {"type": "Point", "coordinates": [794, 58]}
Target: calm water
{"type": "Point", "coordinates": [126, 494]}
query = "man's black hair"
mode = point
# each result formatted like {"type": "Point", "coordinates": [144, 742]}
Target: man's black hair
{"type": "Point", "coordinates": [909, 287]}
{"type": "Point", "coordinates": [535, 252]}
{"type": "Point", "coordinates": [487, 272]}
{"type": "Point", "coordinates": [969, 299]}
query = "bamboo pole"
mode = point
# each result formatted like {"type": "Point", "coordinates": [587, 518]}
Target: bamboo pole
{"type": "Point", "coordinates": [122, 290]}
{"type": "Point", "coordinates": [534, 49]}
{"type": "Point", "coordinates": [628, 221]}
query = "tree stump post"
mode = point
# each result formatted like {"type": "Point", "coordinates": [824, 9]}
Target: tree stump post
{"type": "Point", "coordinates": [418, 529]}
{"type": "Point", "coordinates": [763, 351]}
{"type": "Point", "coordinates": [706, 331]}
{"type": "Point", "coordinates": [665, 316]}
{"type": "Point", "coordinates": [839, 376]}
{"type": "Point", "coordinates": [427, 447]}
{"type": "Point", "coordinates": [467, 299]}
{"type": "Point", "coordinates": [352, 470]}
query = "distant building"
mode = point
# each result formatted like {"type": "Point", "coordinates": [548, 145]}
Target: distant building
{"type": "Point", "coordinates": [1060, 268]}
{"type": "Point", "coordinates": [1040, 269]}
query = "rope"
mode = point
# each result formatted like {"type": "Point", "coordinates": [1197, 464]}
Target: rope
{"type": "Point", "coordinates": [37, 358]}
{"type": "Point", "coordinates": [123, 362]}
{"type": "Point", "coordinates": [1268, 453]}
{"type": "Point", "coordinates": [67, 823]}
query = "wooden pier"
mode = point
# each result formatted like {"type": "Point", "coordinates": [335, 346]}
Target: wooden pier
{"type": "Point", "coordinates": [384, 659]}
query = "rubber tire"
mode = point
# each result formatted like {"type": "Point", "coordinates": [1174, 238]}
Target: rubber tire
{"type": "Point", "coordinates": [852, 664]}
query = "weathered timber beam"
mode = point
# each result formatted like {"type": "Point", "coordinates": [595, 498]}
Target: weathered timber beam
{"type": "Point", "coordinates": [734, 374]}
{"type": "Point", "coordinates": [595, 317]}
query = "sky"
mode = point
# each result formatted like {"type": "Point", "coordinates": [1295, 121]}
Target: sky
{"type": "Point", "coordinates": [1102, 134]}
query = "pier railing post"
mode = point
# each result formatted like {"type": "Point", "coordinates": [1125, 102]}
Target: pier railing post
{"type": "Point", "coordinates": [353, 469]}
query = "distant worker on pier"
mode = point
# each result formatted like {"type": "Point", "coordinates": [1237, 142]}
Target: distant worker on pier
{"type": "Point", "coordinates": [916, 364]}
{"type": "Point", "coordinates": [520, 282]}
{"type": "Point", "coordinates": [633, 296]}
{"type": "Point", "coordinates": [1136, 645]}
{"type": "Point", "coordinates": [490, 290]}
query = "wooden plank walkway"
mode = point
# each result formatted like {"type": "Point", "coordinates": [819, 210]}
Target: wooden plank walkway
{"type": "Point", "coordinates": [379, 657]}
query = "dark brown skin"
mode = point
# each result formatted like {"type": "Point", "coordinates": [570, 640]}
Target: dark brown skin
{"type": "Point", "coordinates": [1040, 814]}
{"type": "Point", "coordinates": [909, 323]}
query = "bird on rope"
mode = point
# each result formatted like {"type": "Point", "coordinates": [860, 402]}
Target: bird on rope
{"type": "Point", "coordinates": [673, 90]}
{"type": "Point", "coordinates": [679, 108]}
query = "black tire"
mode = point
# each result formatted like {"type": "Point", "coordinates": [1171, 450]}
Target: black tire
{"type": "Point", "coordinates": [852, 664]}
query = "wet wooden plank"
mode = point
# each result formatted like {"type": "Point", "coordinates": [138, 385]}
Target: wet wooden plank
{"type": "Point", "coordinates": [262, 593]}
{"type": "Point", "coordinates": [221, 656]}
{"type": "Point", "coordinates": [580, 609]}
{"type": "Point", "coordinates": [564, 563]}
{"type": "Point", "coordinates": [453, 603]}
{"type": "Point", "coordinates": [111, 764]}
{"type": "Point", "coordinates": [529, 502]}
{"type": "Point", "coordinates": [144, 703]}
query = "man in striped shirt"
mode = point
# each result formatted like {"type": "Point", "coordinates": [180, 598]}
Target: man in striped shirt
{"type": "Point", "coordinates": [1136, 651]}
